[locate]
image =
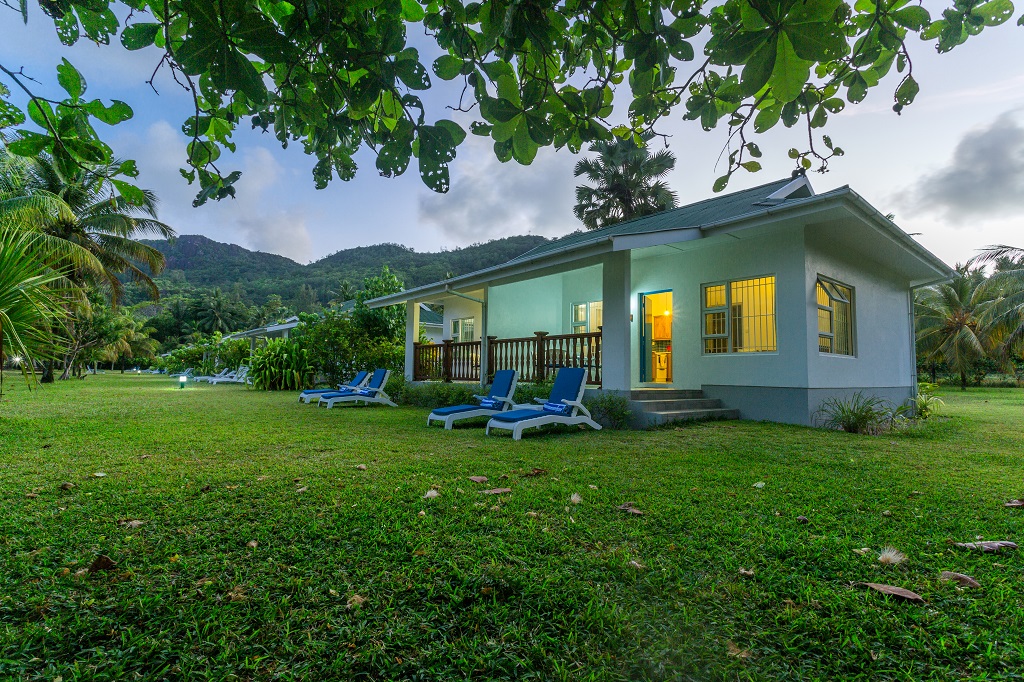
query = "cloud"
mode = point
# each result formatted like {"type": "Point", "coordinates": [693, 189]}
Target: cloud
{"type": "Point", "coordinates": [490, 200]}
{"type": "Point", "coordinates": [258, 219]}
{"type": "Point", "coordinates": [984, 179]}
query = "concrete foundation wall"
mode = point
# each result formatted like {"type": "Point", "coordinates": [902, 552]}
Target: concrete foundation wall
{"type": "Point", "coordinates": [795, 405]}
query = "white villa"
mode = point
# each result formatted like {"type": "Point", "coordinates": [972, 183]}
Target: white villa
{"type": "Point", "coordinates": [760, 304]}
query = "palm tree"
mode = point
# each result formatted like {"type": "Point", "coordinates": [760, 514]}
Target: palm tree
{"type": "Point", "coordinates": [955, 322]}
{"type": "Point", "coordinates": [215, 315]}
{"type": "Point", "coordinates": [1008, 309]}
{"type": "Point", "coordinates": [35, 293]}
{"type": "Point", "coordinates": [104, 223]}
{"type": "Point", "coordinates": [627, 182]}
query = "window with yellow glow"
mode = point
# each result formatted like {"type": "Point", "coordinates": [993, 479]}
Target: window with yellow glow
{"type": "Point", "coordinates": [739, 316]}
{"type": "Point", "coordinates": [835, 317]}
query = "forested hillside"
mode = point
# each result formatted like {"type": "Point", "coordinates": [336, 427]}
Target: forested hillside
{"type": "Point", "coordinates": [196, 264]}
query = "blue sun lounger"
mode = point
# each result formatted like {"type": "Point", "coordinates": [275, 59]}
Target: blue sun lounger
{"type": "Point", "coordinates": [357, 382]}
{"type": "Point", "coordinates": [497, 400]}
{"type": "Point", "coordinates": [373, 392]}
{"type": "Point", "coordinates": [563, 406]}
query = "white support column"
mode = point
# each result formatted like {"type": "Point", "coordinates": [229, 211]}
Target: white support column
{"type": "Point", "coordinates": [484, 369]}
{"type": "Point", "coordinates": [617, 334]}
{"type": "Point", "coordinates": [412, 335]}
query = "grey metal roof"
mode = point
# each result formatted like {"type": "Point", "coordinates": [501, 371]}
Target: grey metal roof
{"type": "Point", "coordinates": [713, 210]}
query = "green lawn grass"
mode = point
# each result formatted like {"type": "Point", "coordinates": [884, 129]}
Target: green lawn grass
{"type": "Point", "coordinates": [524, 585]}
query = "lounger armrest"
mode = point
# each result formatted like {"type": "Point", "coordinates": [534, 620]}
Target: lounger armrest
{"type": "Point", "coordinates": [481, 397]}
{"type": "Point", "coordinates": [540, 401]}
{"type": "Point", "coordinates": [507, 401]}
{"type": "Point", "coordinates": [578, 405]}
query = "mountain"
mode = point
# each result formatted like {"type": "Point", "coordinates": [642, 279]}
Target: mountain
{"type": "Point", "coordinates": [197, 263]}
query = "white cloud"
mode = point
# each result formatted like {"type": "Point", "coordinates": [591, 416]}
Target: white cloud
{"type": "Point", "coordinates": [258, 220]}
{"type": "Point", "coordinates": [984, 179]}
{"type": "Point", "coordinates": [490, 200]}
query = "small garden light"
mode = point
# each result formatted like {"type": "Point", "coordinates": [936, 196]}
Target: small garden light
{"type": "Point", "coordinates": [181, 381]}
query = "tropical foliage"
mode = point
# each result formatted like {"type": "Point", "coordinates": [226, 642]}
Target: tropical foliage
{"type": "Point", "coordinates": [974, 324]}
{"type": "Point", "coordinates": [339, 76]}
{"type": "Point", "coordinates": [628, 183]}
{"type": "Point", "coordinates": [281, 365]}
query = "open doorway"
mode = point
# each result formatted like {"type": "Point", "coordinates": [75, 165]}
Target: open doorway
{"type": "Point", "coordinates": [656, 337]}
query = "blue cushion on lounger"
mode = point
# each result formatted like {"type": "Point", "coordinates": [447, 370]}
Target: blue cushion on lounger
{"type": "Point", "coordinates": [454, 409]}
{"type": "Point", "coordinates": [490, 403]}
{"type": "Point", "coordinates": [517, 415]}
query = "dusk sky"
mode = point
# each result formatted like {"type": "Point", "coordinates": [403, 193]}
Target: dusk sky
{"type": "Point", "coordinates": [951, 167]}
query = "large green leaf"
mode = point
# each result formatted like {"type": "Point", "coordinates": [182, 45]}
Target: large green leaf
{"type": "Point", "coordinates": [139, 36]}
{"type": "Point", "coordinates": [70, 79]}
{"type": "Point", "coordinates": [790, 73]}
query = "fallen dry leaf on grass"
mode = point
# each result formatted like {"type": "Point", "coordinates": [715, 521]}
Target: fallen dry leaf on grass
{"type": "Point", "coordinates": [735, 651]}
{"type": "Point", "coordinates": [430, 494]}
{"type": "Point", "coordinates": [204, 581]}
{"type": "Point", "coordinates": [1014, 503]}
{"type": "Point", "coordinates": [964, 580]}
{"type": "Point", "coordinates": [82, 572]}
{"type": "Point", "coordinates": [99, 474]}
{"type": "Point", "coordinates": [988, 545]}
{"type": "Point", "coordinates": [31, 495]}
{"type": "Point", "coordinates": [206, 489]}
{"type": "Point", "coordinates": [896, 592]}
{"type": "Point", "coordinates": [422, 513]}
{"type": "Point", "coordinates": [130, 523]}
{"type": "Point", "coordinates": [759, 484]}
{"type": "Point", "coordinates": [532, 515]}
{"type": "Point", "coordinates": [67, 485]}
{"type": "Point", "coordinates": [302, 489]}
{"type": "Point", "coordinates": [862, 551]}
{"type": "Point", "coordinates": [356, 600]}
{"type": "Point", "coordinates": [576, 498]}
{"type": "Point", "coordinates": [101, 563]}
{"type": "Point", "coordinates": [237, 593]}
{"type": "Point", "coordinates": [361, 467]}
{"type": "Point", "coordinates": [231, 487]}
{"type": "Point", "coordinates": [496, 491]}
{"type": "Point", "coordinates": [478, 479]}
{"type": "Point", "coordinates": [535, 472]}
{"type": "Point", "coordinates": [630, 508]}
{"type": "Point", "coordinates": [746, 573]}
{"type": "Point", "coordinates": [637, 565]}
{"type": "Point", "coordinates": [252, 544]}
{"type": "Point", "coordinates": [592, 487]}
{"type": "Point", "coordinates": [802, 519]}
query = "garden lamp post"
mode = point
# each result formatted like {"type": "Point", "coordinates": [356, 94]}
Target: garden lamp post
{"type": "Point", "coordinates": [181, 381]}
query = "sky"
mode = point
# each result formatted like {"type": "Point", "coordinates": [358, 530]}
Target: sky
{"type": "Point", "coordinates": [951, 167]}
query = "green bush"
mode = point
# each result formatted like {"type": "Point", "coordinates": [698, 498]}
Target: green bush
{"type": "Point", "coordinates": [338, 348]}
{"type": "Point", "coordinates": [610, 411]}
{"type": "Point", "coordinates": [281, 365]}
{"type": "Point", "coordinates": [926, 404]}
{"type": "Point", "coordinates": [436, 394]}
{"type": "Point", "coordinates": [1000, 381]}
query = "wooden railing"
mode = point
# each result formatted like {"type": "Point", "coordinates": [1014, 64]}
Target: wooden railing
{"type": "Point", "coordinates": [537, 357]}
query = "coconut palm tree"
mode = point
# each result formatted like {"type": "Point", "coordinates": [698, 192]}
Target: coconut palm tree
{"type": "Point", "coordinates": [1008, 309]}
{"type": "Point", "coordinates": [955, 321]}
{"type": "Point", "coordinates": [104, 223]}
{"type": "Point", "coordinates": [628, 183]}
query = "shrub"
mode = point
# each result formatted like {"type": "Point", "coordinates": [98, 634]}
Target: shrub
{"type": "Point", "coordinates": [436, 394]}
{"type": "Point", "coordinates": [281, 365]}
{"type": "Point", "coordinates": [1000, 381]}
{"type": "Point", "coordinates": [927, 404]}
{"type": "Point", "coordinates": [857, 414]}
{"type": "Point", "coordinates": [338, 349]}
{"type": "Point", "coordinates": [610, 411]}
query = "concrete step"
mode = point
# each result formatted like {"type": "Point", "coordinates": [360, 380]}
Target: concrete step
{"type": "Point", "coordinates": [673, 404]}
{"type": "Point", "coordinates": [664, 394]}
{"type": "Point", "coordinates": [658, 418]}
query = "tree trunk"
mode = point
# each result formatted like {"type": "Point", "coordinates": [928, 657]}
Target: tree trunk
{"type": "Point", "coordinates": [963, 380]}
{"type": "Point", "coordinates": [47, 377]}
{"type": "Point", "coordinates": [934, 379]}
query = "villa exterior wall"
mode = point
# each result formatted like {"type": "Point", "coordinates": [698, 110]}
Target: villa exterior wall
{"type": "Point", "coordinates": [779, 254]}
{"type": "Point", "coordinates": [521, 308]}
{"type": "Point", "coordinates": [457, 308]}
